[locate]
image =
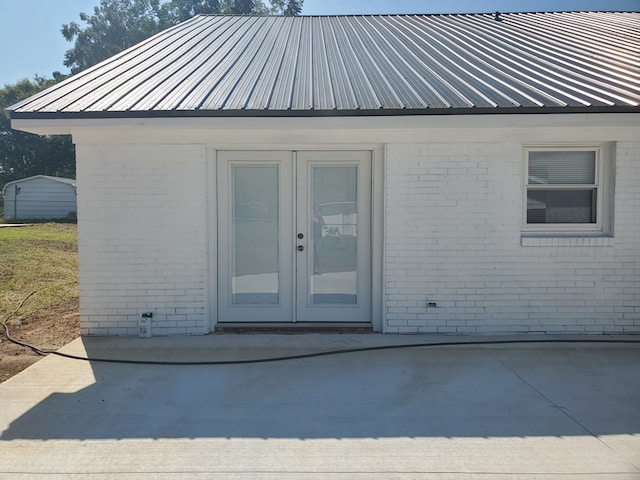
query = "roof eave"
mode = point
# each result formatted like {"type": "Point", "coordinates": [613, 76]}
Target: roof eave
{"type": "Point", "coordinates": [16, 115]}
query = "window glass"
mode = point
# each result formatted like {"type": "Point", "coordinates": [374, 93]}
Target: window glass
{"type": "Point", "coordinates": [562, 187]}
{"type": "Point", "coordinates": [561, 206]}
{"type": "Point", "coordinates": [562, 168]}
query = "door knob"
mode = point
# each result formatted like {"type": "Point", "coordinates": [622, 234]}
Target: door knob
{"type": "Point", "coordinates": [300, 248]}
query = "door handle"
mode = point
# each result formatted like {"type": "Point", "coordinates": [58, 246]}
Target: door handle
{"type": "Point", "coordinates": [300, 248]}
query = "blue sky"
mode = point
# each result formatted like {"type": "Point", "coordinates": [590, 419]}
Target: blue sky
{"type": "Point", "coordinates": [32, 42]}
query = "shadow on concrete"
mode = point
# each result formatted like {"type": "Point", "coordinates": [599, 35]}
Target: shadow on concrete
{"type": "Point", "coordinates": [507, 391]}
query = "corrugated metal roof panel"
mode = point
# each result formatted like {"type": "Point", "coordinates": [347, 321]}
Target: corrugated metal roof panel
{"type": "Point", "coordinates": [377, 64]}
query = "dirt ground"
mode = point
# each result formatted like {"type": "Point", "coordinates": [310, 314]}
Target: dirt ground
{"type": "Point", "coordinates": [51, 330]}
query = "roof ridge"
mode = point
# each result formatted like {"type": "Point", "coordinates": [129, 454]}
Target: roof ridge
{"type": "Point", "coordinates": [428, 14]}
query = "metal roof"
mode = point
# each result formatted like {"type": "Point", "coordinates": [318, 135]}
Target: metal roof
{"type": "Point", "coordinates": [218, 65]}
{"type": "Point", "coordinates": [67, 181]}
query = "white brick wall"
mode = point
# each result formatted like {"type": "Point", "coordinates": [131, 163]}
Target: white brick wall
{"type": "Point", "coordinates": [453, 215]}
{"type": "Point", "coordinates": [453, 237]}
{"type": "Point", "coordinates": [142, 238]}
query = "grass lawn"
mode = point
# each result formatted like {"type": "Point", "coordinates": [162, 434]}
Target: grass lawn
{"type": "Point", "coordinates": [42, 258]}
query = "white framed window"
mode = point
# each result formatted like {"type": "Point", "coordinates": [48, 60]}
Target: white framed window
{"type": "Point", "coordinates": [565, 190]}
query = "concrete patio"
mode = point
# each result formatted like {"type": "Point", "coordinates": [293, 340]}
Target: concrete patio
{"type": "Point", "coordinates": [519, 411]}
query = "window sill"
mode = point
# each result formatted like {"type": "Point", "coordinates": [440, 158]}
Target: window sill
{"type": "Point", "coordinates": [550, 240]}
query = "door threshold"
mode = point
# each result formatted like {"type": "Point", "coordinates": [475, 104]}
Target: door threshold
{"type": "Point", "coordinates": [293, 328]}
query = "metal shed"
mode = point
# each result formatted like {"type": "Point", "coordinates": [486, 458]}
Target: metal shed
{"type": "Point", "coordinates": [40, 197]}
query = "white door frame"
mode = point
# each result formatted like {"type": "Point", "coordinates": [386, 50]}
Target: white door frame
{"type": "Point", "coordinates": [377, 220]}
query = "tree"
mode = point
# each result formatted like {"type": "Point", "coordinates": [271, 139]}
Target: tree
{"type": "Point", "coordinates": [288, 8]}
{"type": "Point", "coordinates": [118, 24]}
{"type": "Point", "coordinates": [114, 26]}
{"type": "Point", "coordinates": [24, 154]}
{"type": "Point", "coordinates": [178, 11]}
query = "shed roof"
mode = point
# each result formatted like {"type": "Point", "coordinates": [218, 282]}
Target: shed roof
{"type": "Point", "coordinates": [217, 65]}
{"type": "Point", "coordinates": [66, 181]}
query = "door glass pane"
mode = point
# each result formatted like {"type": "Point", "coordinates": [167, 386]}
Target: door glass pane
{"type": "Point", "coordinates": [334, 230]}
{"type": "Point", "coordinates": [561, 206]}
{"type": "Point", "coordinates": [255, 242]}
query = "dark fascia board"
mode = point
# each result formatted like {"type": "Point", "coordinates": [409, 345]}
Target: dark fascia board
{"type": "Point", "coordinates": [316, 113]}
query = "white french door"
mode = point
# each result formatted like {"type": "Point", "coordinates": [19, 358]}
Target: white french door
{"type": "Point", "coordinates": [294, 236]}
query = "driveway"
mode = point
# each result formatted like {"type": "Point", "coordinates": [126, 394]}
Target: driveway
{"type": "Point", "coordinates": [518, 411]}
